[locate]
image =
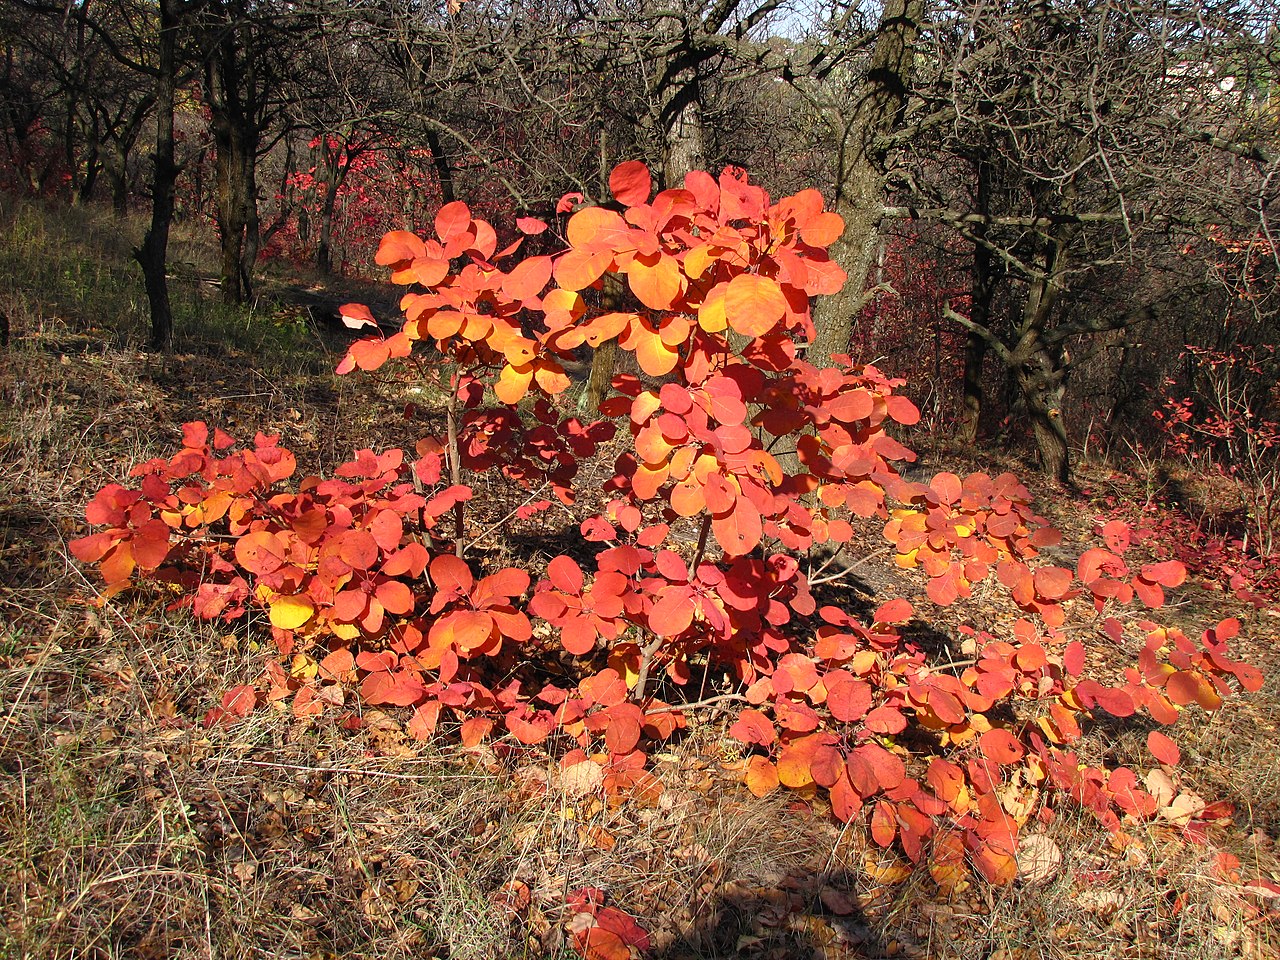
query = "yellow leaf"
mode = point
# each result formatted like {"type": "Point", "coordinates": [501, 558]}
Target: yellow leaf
{"type": "Point", "coordinates": [513, 383]}
{"type": "Point", "coordinates": [303, 667]}
{"type": "Point", "coordinates": [863, 662]}
{"type": "Point", "coordinates": [711, 315]}
{"type": "Point", "coordinates": [888, 871]}
{"type": "Point", "coordinates": [291, 612]}
{"type": "Point", "coordinates": [625, 659]}
{"type": "Point", "coordinates": [344, 631]}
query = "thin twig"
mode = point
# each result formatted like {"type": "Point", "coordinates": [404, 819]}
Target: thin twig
{"type": "Point", "coordinates": [710, 701]}
{"type": "Point", "coordinates": [360, 771]}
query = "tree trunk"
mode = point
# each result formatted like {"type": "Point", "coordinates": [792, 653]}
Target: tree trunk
{"type": "Point", "coordinates": [230, 90]}
{"type": "Point", "coordinates": [973, 395]}
{"type": "Point", "coordinates": [1042, 383]}
{"type": "Point", "coordinates": [1038, 368]}
{"type": "Point", "coordinates": [252, 221]}
{"type": "Point", "coordinates": [982, 290]}
{"type": "Point", "coordinates": [152, 255]}
{"type": "Point", "coordinates": [444, 170]}
{"type": "Point", "coordinates": [333, 181]}
{"type": "Point", "coordinates": [877, 109]}
{"type": "Point", "coordinates": [233, 194]}
{"type": "Point", "coordinates": [605, 358]}
{"type": "Point", "coordinates": [685, 140]}
{"type": "Point", "coordinates": [117, 175]}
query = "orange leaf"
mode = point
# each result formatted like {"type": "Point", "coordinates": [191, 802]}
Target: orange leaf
{"type": "Point", "coordinates": [399, 246]}
{"type": "Point", "coordinates": [513, 383]}
{"type": "Point", "coordinates": [655, 279]}
{"type": "Point", "coordinates": [883, 825]}
{"type": "Point", "coordinates": [823, 230]}
{"type": "Point", "coordinates": [336, 665]}
{"type": "Point", "coordinates": [395, 597]}
{"type": "Point", "coordinates": [527, 278]}
{"type": "Point", "coordinates": [595, 226]}
{"type": "Point", "coordinates": [795, 762]}
{"type": "Point", "coordinates": [475, 729]}
{"type": "Point", "coordinates": [601, 944]}
{"type": "Point", "coordinates": [464, 629]}
{"type": "Point", "coordinates": [753, 304]}
{"type": "Point", "coordinates": [260, 552]}
{"type": "Point", "coordinates": [356, 315]}
{"type": "Point", "coordinates": [579, 269]}
{"type": "Point", "coordinates": [655, 357]}
{"type": "Point", "coordinates": [761, 776]}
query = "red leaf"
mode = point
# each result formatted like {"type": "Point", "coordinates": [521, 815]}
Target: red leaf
{"type": "Point", "coordinates": [1171, 573]}
{"type": "Point", "coordinates": [848, 698]}
{"type": "Point", "coordinates": [568, 202]}
{"type": "Point", "coordinates": [1163, 749]}
{"type": "Point", "coordinates": [630, 183]}
{"type": "Point", "coordinates": [752, 726]}
{"type": "Point", "coordinates": [453, 220]}
{"type": "Point", "coordinates": [1182, 687]}
{"type": "Point", "coordinates": [237, 703]}
{"type": "Point", "coordinates": [1001, 746]}
{"type": "Point", "coordinates": [886, 769]}
{"type": "Point", "coordinates": [623, 732]}
{"type": "Point", "coordinates": [531, 730]}
{"type": "Point", "coordinates": [672, 612]}
{"type": "Point", "coordinates": [451, 575]}
{"type": "Point", "coordinates": [1052, 582]}
{"type": "Point", "coordinates": [1116, 534]}
{"type": "Point", "coordinates": [358, 549]}
{"type": "Point", "coordinates": [1115, 702]}
{"type": "Point", "coordinates": [1073, 658]}
{"type": "Point", "coordinates": [898, 610]}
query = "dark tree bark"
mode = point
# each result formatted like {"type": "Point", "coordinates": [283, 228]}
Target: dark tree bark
{"type": "Point", "coordinates": [982, 291]}
{"type": "Point", "coordinates": [879, 101]}
{"type": "Point", "coordinates": [152, 255]}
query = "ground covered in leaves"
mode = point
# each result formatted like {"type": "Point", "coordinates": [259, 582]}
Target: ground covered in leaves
{"type": "Point", "coordinates": [130, 829]}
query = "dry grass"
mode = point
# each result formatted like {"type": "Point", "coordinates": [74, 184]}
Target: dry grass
{"type": "Point", "coordinates": [129, 830]}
